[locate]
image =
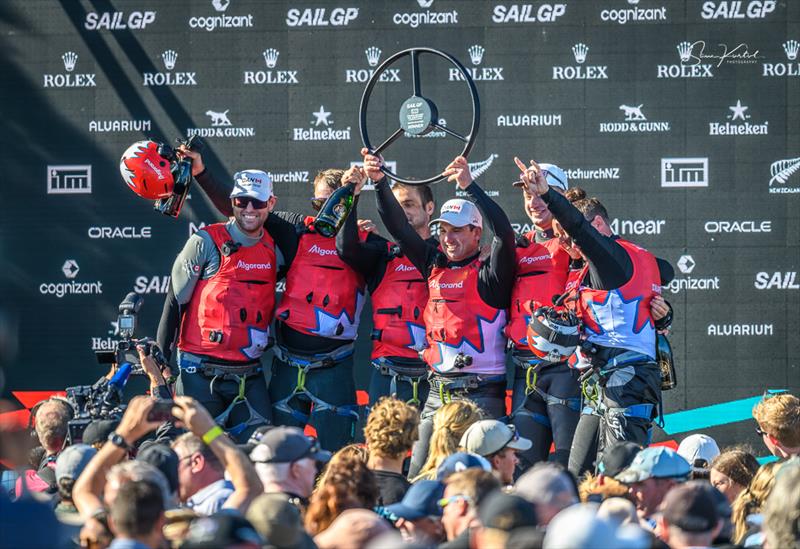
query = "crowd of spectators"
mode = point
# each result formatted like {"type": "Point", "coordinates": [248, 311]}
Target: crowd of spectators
{"type": "Point", "coordinates": [133, 484]}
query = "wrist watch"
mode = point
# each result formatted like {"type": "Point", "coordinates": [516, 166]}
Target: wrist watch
{"type": "Point", "coordinates": [116, 439]}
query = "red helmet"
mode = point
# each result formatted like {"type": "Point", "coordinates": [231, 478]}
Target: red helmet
{"type": "Point", "coordinates": [553, 334]}
{"type": "Point", "coordinates": [146, 171]}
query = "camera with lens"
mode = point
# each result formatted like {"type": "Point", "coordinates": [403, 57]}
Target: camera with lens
{"type": "Point", "coordinates": [127, 347]}
{"type": "Point", "coordinates": [462, 361]}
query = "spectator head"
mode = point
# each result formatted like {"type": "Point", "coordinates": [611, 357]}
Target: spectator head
{"type": "Point", "coordinates": [131, 471]}
{"type": "Point", "coordinates": [254, 439]}
{"type": "Point", "coordinates": [286, 461]}
{"type": "Point", "coordinates": [463, 493]}
{"type": "Point", "coordinates": [618, 511]}
{"type": "Point", "coordinates": [498, 443]}
{"type": "Point", "coordinates": [595, 489]}
{"type": "Point", "coordinates": [69, 465]}
{"type": "Point", "coordinates": [782, 509]}
{"type": "Point", "coordinates": [752, 498]}
{"type": "Point", "coordinates": [689, 516]}
{"type": "Point", "coordinates": [499, 514]}
{"type": "Point", "coordinates": [617, 457]}
{"type": "Point", "coordinates": [461, 461]}
{"type": "Point", "coordinates": [278, 521]}
{"type": "Point", "coordinates": [778, 418]}
{"type": "Point", "coordinates": [197, 465]}
{"type": "Point", "coordinates": [392, 428]}
{"type": "Point", "coordinates": [138, 512]}
{"type": "Point", "coordinates": [51, 418]}
{"type": "Point", "coordinates": [699, 450]}
{"type": "Point", "coordinates": [732, 471]}
{"type": "Point", "coordinates": [418, 515]}
{"type": "Point", "coordinates": [653, 472]}
{"type": "Point", "coordinates": [449, 423]}
{"type": "Point", "coordinates": [163, 458]}
{"type": "Point", "coordinates": [595, 213]}
{"type": "Point", "coordinates": [222, 530]}
{"type": "Point", "coordinates": [549, 487]}
{"type": "Point", "coordinates": [535, 207]}
{"type": "Point", "coordinates": [580, 527]}
{"type": "Point", "coordinates": [725, 534]}
{"type": "Point", "coordinates": [325, 183]}
{"type": "Point", "coordinates": [96, 433]}
{"type": "Point", "coordinates": [348, 484]}
{"type": "Point", "coordinates": [353, 529]}
{"type": "Point", "coordinates": [417, 203]}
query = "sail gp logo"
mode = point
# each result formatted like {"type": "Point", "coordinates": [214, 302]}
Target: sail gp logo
{"type": "Point", "coordinates": [250, 266]}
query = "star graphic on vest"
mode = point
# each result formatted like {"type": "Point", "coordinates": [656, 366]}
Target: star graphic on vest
{"type": "Point", "coordinates": [611, 316]}
{"type": "Point", "coordinates": [417, 334]}
{"type": "Point", "coordinates": [339, 326]}
{"type": "Point", "coordinates": [322, 117]}
{"type": "Point", "coordinates": [490, 335]}
{"type": "Point", "coordinates": [258, 342]}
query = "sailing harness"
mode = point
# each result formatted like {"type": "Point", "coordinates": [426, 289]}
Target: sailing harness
{"type": "Point", "coordinates": [304, 365]}
{"type": "Point", "coordinates": [412, 376]}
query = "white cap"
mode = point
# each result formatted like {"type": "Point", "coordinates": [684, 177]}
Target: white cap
{"type": "Point", "coordinates": [555, 176]}
{"type": "Point", "coordinates": [489, 436]}
{"type": "Point", "coordinates": [253, 183]}
{"type": "Point", "coordinates": [696, 447]}
{"type": "Point", "coordinates": [459, 213]}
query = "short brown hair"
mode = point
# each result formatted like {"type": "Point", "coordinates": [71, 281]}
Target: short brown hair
{"type": "Point", "coordinates": [423, 191]}
{"type": "Point", "coordinates": [591, 208]}
{"type": "Point", "coordinates": [195, 445]}
{"type": "Point", "coordinates": [475, 483]}
{"type": "Point", "coordinates": [591, 486]}
{"type": "Point", "coordinates": [332, 178]}
{"type": "Point", "coordinates": [737, 464]}
{"type": "Point", "coordinates": [392, 428]}
{"type": "Point", "coordinates": [779, 416]}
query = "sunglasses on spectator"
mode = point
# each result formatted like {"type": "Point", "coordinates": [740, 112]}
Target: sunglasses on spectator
{"type": "Point", "coordinates": [444, 502]}
{"type": "Point", "coordinates": [760, 431]}
{"type": "Point", "coordinates": [243, 201]}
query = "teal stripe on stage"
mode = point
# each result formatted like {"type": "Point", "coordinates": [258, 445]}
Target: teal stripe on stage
{"type": "Point", "coordinates": [767, 459]}
{"type": "Point", "coordinates": [710, 416]}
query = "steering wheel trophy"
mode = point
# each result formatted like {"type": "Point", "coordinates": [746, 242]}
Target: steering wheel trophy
{"type": "Point", "coordinates": [418, 114]}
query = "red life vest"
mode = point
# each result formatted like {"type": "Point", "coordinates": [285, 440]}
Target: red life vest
{"type": "Point", "coordinates": [457, 321]}
{"type": "Point", "coordinates": [541, 274]}
{"type": "Point", "coordinates": [323, 296]}
{"type": "Point", "coordinates": [398, 304]}
{"type": "Point", "coordinates": [620, 318]}
{"type": "Point", "coordinates": [238, 302]}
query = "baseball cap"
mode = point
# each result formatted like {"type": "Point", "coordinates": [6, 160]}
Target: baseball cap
{"type": "Point", "coordinates": [556, 177]}
{"type": "Point", "coordinates": [506, 512]}
{"type": "Point", "coordinates": [163, 458]}
{"type": "Point", "coordinates": [690, 508]}
{"type": "Point", "coordinates": [286, 444]}
{"type": "Point", "coordinates": [220, 530]}
{"type": "Point", "coordinates": [73, 460]}
{"type": "Point", "coordinates": [98, 431]}
{"type": "Point", "coordinates": [547, 483]}
{"type": "Point", "coordinates": [578, 526]}
{"type": "Point", "coordinates": [459, 213]}
{"type": "Point", "coordinates": [421, 500]}
{"type": "Point", "coordinates": [461, 461]}
{"type": "Point", "coordinates": [617, 457]}
{"type": "Point", "coordinates": [278, 521]}
{"type": "Point", "coordinates": [655, 462]}
{"type": "Point", "coordinates": [254, 439]}
{"type": "Point", "coordinates": [253, 183]}
{"type": "Point", "coordinates": [489, 436]}
{"type": "Point", "coordinates": [698, 448]}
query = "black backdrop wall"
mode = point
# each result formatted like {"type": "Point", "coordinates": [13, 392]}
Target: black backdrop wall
{"type": "Point", "coordinates": [681, 115]}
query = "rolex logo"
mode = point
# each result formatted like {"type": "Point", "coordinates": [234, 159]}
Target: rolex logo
{"type": "Point", "coordinates": [580, 50]}
{"type": "Point", "coordinates": [791, 47]}
{"type": "Point", "coordinates": [373, 55]}
{"type": "Point", "coordinates": [271, 57]}
{"type": "Point", "coordinates": [685, 51]}
{"type": "Point", "coordinates": [476, 54]}
{"type": "Point", "coordinates": [169, 57]}
{"type": "Point", "coordinates": [69, 58]}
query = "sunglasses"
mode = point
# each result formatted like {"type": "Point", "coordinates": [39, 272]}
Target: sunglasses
{"type": "Point", "coordinates": [243, 201]}
{"type": "Point", "coordinates": [760, 432]}
{"type": "Point", "coordinates": [444, 502]}
{"type": "Point", "coordinates": [317, 203]}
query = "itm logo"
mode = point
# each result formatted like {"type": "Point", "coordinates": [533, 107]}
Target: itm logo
{"type": "Point", "coordinates": [169, 58]}
{"type": "Point", "coordinates": [322, 118]}
{"type": "Point", "coordinates": [781, 170]}
{"type": "Point", "coordinates": [693, 70]}
{"type": "Point", "coordinates": [373, 54]}
{"type": "Point", "coordinates": [221, 126]}
{"type": "Point", "coordinates": [686, 265]}
{"type": "Point", "coordinates": [684, 172]}
{"type": "Point", "coordinates": [791, 48]}
{"type": "Point", "coordinates": [738, 112]}
{"type": "Point", "coordinates": [579, 72]}
{"type": "Point", "coordinates": [69, 179]}
{"type": "Point", "coordinates": [269, 76]}
{"type": "Point", "coordinates": [484, 73]}
{"type": "Point", "coordinates": [69, 80]}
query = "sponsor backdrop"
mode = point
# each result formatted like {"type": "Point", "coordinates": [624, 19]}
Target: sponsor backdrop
{"type": "Point", "coordinates": [681, 116]}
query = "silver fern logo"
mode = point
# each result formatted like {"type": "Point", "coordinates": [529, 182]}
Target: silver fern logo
{"type": "Point", "coordinates": [782, 170]}
{"type": "Point", "coordinates": [580, 50]}
{"type": "Point", "coordinates": [169, 57]}
{"type": "Point", "coordinates": [477, 169]}
{"type": "Point", "coordinates": [476, 54]}
{"type": "Point", "coordinates": [373, 56]}
{"type": "Point", "coordinates": [791, 47]}
{"type": "Point", "coordinates": [271, 57]}
{"type": "Point", "coordinates": [685, 51]}
{"type": "Point", "coordinates": [69, 58]}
